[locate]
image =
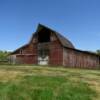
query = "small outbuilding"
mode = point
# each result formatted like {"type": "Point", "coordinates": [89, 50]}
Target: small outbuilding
{"type": "Point", "coordinates": [48, 47]}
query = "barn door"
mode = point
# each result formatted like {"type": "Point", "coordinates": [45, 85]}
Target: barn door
{"type": "Point", "coordinates": [43, 57]}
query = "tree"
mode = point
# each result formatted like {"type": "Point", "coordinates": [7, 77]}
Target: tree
{"type": "Point", "coordinates": [98, 52]}
{"type": "Point", "coordinates": [3, 55]}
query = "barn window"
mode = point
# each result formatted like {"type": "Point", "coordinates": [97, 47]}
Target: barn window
{"type": "Point", "coordinates": [42, 53]}
{"type": "Point", "coordinates": [44, 36]}
{"type": "Point", "coordinates": [34, 40]}
{"type": "Point", "coordinates": [21, 51]}
{"type": "Point", "coordinates": [53, 37]}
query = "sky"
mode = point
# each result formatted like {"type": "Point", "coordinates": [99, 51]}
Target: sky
{"type": "Point", "coordinates": [77, 20]}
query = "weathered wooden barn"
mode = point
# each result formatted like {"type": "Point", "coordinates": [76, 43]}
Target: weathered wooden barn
{"type": "Point", "coordinates": [48, 47]}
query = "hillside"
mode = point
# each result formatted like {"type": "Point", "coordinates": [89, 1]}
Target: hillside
{"type": "Point", "coordinates": [46, 83]}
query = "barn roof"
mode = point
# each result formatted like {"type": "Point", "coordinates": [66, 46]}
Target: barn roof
{"type": "Point", "coordinates": [64, 41]}
{"type": "Point", "coordinates": [19, 49]}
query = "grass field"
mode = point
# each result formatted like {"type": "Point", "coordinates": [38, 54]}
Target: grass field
{"type": "Point", "coordinates": [45, 83]}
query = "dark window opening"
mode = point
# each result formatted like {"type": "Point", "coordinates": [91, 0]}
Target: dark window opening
{"type": "Point", "coordinates": [21, 51]}
{"type": "Point", "coordinates": [43, 53]}
{"type": "Point", "coordinates": [44, 36]}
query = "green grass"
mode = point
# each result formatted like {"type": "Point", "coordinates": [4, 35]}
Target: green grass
{"type": "Point", "coordinates": [45, 83]}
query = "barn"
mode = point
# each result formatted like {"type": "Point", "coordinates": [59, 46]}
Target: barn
{"type": "Point", "coordinates": [48, 47]}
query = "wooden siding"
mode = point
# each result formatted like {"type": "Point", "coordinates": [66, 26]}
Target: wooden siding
{"type": "Point", "coordinates": [72, 58]}
{"type": "Point", "coordinates": [27, 55]}
{"type": "Point", "coordinates": [56, 53]}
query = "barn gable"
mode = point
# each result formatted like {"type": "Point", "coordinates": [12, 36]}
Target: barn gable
{"type": "Point", "coordinates": [64, 41]}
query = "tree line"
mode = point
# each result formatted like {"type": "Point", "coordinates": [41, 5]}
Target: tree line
{"type": "Point", "coordinates": [4, 55]}
{"type": "Point", "coordinates": [98, 52]}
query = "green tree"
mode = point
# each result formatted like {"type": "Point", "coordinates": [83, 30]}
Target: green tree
{"type": "Point", "coordinates": [3, 55]}
{"type": "Point", "coordinates": [98, 52]}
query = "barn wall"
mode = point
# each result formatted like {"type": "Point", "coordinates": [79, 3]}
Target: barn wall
{"type": "Point", "coordinates": [12, 59]}
{"type": "Point", "coordinates": [56, 53]}
{"type": "Point", "coordinates": [27, 55]}
{"type": "Point", "coordinates": [25, 59]}
{"type": "Point", "coordinates": [72, 58]}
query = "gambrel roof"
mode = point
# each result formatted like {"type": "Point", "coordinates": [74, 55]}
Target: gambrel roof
{"type": "Point", "coordinates": [64, 41]}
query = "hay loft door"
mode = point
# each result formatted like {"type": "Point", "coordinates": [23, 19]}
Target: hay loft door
{"type": "Point", "coordinates": [43, 46]}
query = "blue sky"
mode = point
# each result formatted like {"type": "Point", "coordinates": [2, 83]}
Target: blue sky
{"type": "Point", "coordinates": [78, 20]}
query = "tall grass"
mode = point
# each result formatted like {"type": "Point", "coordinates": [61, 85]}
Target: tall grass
{"type": "Point", "coordinates": [46, 84]}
